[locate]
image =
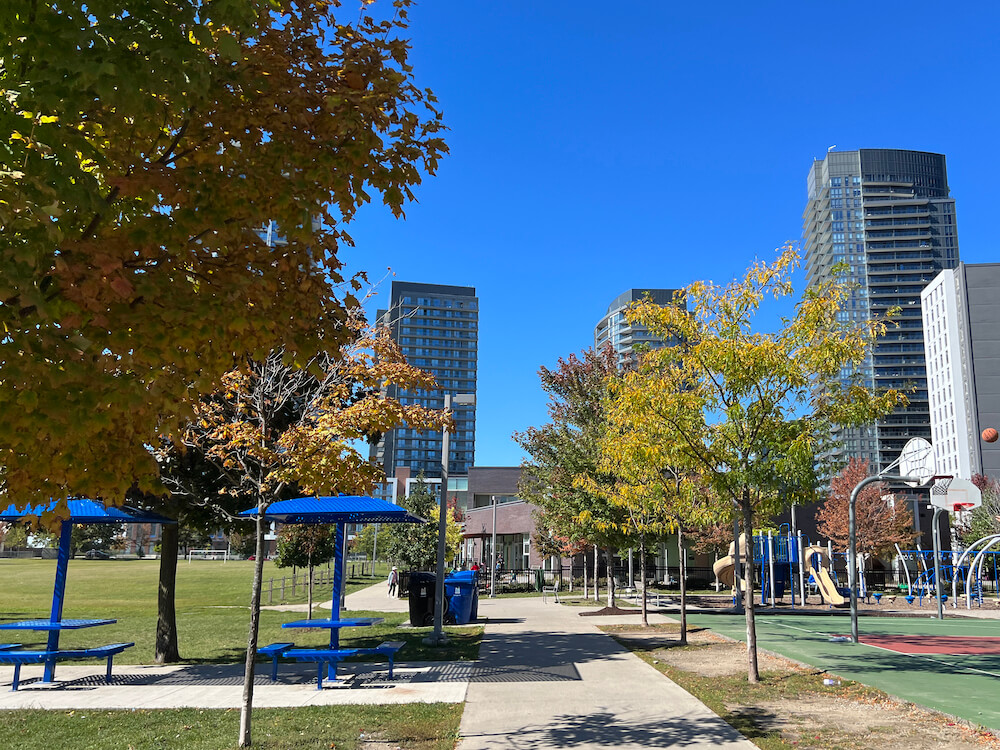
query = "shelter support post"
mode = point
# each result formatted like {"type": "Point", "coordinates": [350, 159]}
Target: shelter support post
{"type": "Point", "coordinates": [340, 559]}
{"type": "Point", "coordinates": [58, 596]}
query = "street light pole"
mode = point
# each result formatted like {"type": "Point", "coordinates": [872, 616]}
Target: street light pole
{"type": "Point", "coordinates": [438, 638]}
{"type": "Point", "coordinates": [493, 550]}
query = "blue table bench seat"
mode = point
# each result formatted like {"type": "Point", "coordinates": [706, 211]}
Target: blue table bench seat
{"type": "Point", "coordinates": [18, 658]}
{"type": "Point", "coordinates": [322, 657]}
{"type": "Point", "coordinates": [387, 649]}
{"type": "Point", "coordinates": [275, 651]}
{"type": "Point", "coordinates": [326, 656]}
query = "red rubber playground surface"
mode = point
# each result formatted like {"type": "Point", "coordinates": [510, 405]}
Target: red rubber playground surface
{"type": "Point", "coordinates": [951, 665]}
{"type": "Point", "coordinates": [935, 644]}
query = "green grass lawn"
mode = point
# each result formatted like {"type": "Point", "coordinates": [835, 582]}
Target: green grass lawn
{"type": "Point", "coordinates": [212, 609]}
{"type": "Point", "coordinates": [416, 726]}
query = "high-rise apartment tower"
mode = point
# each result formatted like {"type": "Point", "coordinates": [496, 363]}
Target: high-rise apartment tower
{"type": "Point", "coordinates": [623, 336]}
{"type": "Point", "coordinates": [437, 327]}
{"type": "Point", "coordinates": [886, 216]}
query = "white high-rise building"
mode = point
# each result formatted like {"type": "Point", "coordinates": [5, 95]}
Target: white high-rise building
{"type": "Point", "coordinates": [961, 317]}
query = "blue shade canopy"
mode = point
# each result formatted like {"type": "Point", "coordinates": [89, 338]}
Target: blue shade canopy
{"type": "Point", "coordinates": [340, 509]}
{"type": "Point", "coordinates": [88, 511]}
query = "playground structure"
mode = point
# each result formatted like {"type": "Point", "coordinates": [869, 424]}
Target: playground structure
{"type": "Point", "coordinates": [781, 559]}
{"type": "Point", "coordinates": [916, 467]}
{"type": "Point", "coordinates": [972, 573]}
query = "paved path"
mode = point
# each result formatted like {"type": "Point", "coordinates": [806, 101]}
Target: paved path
{"type": "Point", "coordinates": [549, 678]}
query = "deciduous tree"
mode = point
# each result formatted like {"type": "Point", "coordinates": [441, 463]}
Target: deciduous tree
{"type": "Point", "coordinates": [562, 468]}
{"type": "Point", "coordinates": [985, 519]}
{"type": "Point", "coordinates": [749, 407]}
{"type": "Point", "coordinates": [143, 147]}
{"type": "Point", "coordinates": [882, 520]}
{"type": "Point", "coordinates": [273, 426]}
{"type": "Point", "coordinates": [414, 546]}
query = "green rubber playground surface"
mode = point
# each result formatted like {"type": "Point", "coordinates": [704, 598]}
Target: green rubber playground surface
{"type": "Point", "coordinates": [964, 686]}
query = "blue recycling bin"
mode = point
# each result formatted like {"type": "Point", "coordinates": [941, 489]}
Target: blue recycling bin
{"type": "Point", "coordinates": [461, 589]}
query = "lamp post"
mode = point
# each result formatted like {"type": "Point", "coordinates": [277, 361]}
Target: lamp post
{"type": "Point", "coordinates": [438, 637]}
{"type": "Point", "coordinates": [493, 550]}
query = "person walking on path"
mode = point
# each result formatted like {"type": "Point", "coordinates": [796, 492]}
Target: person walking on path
{"type": "Point", "coordinates": [393, 581]}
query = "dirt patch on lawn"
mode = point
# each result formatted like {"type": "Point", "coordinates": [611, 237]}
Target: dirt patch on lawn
{"type": "Point", "coordinates": [831, 721]}
{"type": "Point", "coordinates": [714, 658]}
{"type": "Point", "coordinates": [608, 611]}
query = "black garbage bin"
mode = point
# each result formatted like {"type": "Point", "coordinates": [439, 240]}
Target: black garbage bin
{"type": "Point", "coordinates": [422, 599]}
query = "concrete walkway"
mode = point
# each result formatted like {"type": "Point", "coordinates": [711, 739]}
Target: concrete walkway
{"type": "Point", "coordinates": [548, 678]}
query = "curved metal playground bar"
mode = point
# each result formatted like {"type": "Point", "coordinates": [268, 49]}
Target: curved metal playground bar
{"type": "Point", "coordinates": [990, 541]}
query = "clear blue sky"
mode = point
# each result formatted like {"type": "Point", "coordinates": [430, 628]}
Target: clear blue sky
{"type": "Point", "coordinates": [598, 146]}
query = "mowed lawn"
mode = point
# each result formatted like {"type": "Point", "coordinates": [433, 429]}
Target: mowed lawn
{"type": "Point", "coordinates": [415, 726]}
{"type": "Point", "coordinates": [212, 609]}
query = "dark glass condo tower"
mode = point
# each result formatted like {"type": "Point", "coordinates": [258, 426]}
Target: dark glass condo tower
{"type": "Point", "coordinates": [887, 215]}
{"type": "Point", "coordinates": [437, 327]}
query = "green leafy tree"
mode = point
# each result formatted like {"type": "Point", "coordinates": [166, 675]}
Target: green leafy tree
{"type": "Point", "coordinates": [98, 537]}
{"type": "Point", "coordinates": [562, 473]}
{"type": "Point", "coordinates": [13, 536]}
{"type": "Point", "coordinates": [365, 543]}
{"type": "Point", "coordinates": [748, 407]}
{"type": "Point", "coordinates": [305, 546]}
{"type": "Point", "coordinates": [414, 546]}
{"type": "Point", "coordinates": [142, 148]}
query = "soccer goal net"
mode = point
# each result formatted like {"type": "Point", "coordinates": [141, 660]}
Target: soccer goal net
{"type": "Point", "coordinates": [208, 554]}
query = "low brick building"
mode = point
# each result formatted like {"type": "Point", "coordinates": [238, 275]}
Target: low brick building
{"type": "Point", "coordinates": [494, 488]}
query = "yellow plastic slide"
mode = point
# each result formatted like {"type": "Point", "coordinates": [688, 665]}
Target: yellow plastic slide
{"type": "Point", "coordinates": [818, 567]}
{"type": "Point", "coordinates": [724, 567]}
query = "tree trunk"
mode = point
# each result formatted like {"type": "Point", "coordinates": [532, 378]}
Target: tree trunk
{"type": "Point", "coordinates": [597, 560]}
{"type": "Point", "coordinates": [248, 670]}
{"type": "Point", "coordinates": [749, 582]}
{"type": "Point", "coordinates": [642, 576]}
{"type": "Point", "coordinates": [166, 651]}
{"type": "Point", "coordinates": [609, 554]}
{"type": "Point", "coordinates": [682, 574]}
{"type": "Point", "coordinates": [585, 573]}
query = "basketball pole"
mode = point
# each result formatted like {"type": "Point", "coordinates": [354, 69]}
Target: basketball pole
{"type": "Point", "coordinates": [852, 530]}
{"type": "Point", "coordinates": [936, 536]}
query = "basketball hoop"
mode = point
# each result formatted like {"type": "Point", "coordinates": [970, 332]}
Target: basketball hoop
{"type": "Point", "coordinates": [955, 494]}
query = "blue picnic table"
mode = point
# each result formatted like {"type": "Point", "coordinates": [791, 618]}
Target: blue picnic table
{"type": "Point", "coordinates": [81, 510]}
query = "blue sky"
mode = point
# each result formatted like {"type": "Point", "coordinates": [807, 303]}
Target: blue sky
{"type": "Point", "coordinates": [597, 147]}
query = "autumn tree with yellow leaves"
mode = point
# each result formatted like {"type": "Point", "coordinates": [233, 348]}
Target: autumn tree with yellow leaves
{"type": "Point", "coordinates": [274, 427]}
{"type": "Point", "coordinates": [747, 408]}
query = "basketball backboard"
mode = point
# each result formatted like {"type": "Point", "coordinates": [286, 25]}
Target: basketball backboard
{"type": "Point", "coordinates": [956, 494]}
{"type": "Point", "coordinates": [917, 461]}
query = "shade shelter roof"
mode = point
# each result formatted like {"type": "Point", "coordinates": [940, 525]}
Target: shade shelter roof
{"type": "Point", "coordinates": [340, 510]}
{"type": "Point", "coordinates": [336, 509]}
{"type": "Point", "coordinates": [87, 511]}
